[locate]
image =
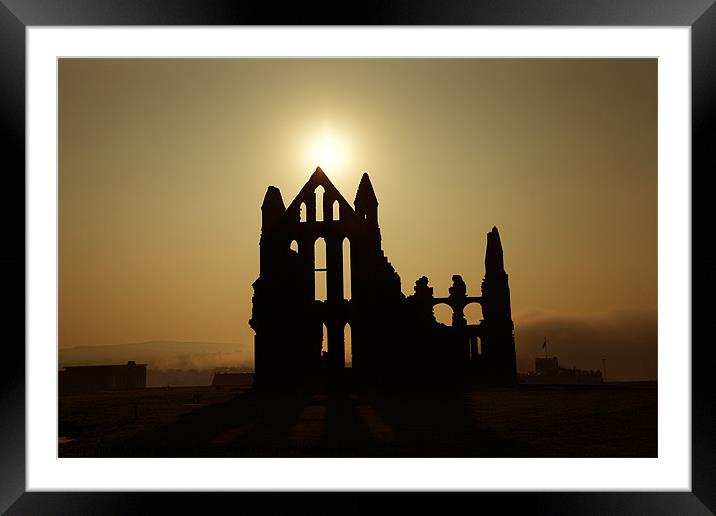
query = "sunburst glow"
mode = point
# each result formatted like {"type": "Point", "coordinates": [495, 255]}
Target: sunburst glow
{"type": "Point", "coordinates": [328, 152]}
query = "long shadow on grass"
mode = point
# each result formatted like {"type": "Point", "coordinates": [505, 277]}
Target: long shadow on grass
{"type": "Point", "coordinates": [250, 425]}
{"type": "Point", "coordinates": [437, 424]}
{"type": "Point", "coordinates": [347, 434]}
{"type": "Point", "coordinates": [398, 424]}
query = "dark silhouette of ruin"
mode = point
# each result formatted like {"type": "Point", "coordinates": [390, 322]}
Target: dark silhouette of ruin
{"type": "Point", "coordinates": [395, 339]}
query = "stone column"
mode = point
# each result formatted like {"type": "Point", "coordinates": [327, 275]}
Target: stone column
{"type": "Point", "coordinates": [336, 346]}
{"type": "Point", "coordinates": [334, 266]}
{"type": "Point", "coordinates": [307, 252]}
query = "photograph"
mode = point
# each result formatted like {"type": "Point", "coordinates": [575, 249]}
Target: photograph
{"type": "Point", "coordinates": [413, 248]}
{"type": "Point", "coordinates": [357, 257]}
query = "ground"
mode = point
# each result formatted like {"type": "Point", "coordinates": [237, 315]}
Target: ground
{"type": "Point", "coordinates": [613, 420]}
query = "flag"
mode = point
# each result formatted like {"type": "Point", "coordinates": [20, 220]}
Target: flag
{"type": "Point", "coordinates": [544, 344]}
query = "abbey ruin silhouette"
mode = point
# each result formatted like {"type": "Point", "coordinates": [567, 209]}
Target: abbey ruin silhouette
{"type": "Point", "coordinates": [395, 339]}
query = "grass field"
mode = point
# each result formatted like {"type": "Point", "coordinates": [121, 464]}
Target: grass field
{"type": "Point", "coordinates": [612, 420]}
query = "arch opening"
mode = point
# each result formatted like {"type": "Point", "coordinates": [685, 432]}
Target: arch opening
{"type": "Point", "coordinates": [320, 253]}
{"type": "Point", "coordinates": [336, 211]}
{"type": "Point", "coordinates": [347, 269]}
{"type": "Point", "coordinates": [320, 274]}
{"type": "Point", "coordinates": [303, 212]}
{"type": "Point", "coordinates": [348, 358]}
{"type": "Point", "coordinates": [319, 193]}
{"type": "Point", "coordinates": [443, 314]}
{"type": "Point", "coordinates": [324, 342]}
{"type": "Point", "coordinates": [294, 246]}
{"type": "Point", "coordinates": [473, 313]}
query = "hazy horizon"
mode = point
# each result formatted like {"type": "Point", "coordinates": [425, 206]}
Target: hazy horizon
{"type": "Point", "coordinates": [163, 165]}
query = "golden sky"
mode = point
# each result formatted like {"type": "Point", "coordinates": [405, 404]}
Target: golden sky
{"type": "Point", "coordinates": [163, 166]}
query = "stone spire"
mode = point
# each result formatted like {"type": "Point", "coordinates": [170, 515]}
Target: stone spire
{"type": "Point", "coordinates": [498, 341]}
{"type": "Point", "coordinates": [495, 285]}
{"type": "Point", "coordinates": [272, 209]}
{"type": "Point", "coordinates": [493, 254]}
{"type": "Point", "coordinates": [366, 203]}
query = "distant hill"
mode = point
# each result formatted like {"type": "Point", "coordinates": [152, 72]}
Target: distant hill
{"type": "Point", "coordinates": [163, 355]}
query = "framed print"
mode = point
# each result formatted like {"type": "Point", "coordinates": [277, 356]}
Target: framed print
{"type": "Point", "coordinates": [441, 249]}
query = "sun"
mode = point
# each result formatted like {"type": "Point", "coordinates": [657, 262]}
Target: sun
{"type": "Point", "coordinates": [327, 151]}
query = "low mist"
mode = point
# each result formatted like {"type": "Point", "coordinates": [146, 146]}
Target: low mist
{"type": "Point", "coordinates": [627, 339]}
{"type": "Point", "coordinates": [169, 363]}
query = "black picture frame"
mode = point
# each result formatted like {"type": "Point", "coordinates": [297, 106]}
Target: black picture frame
{"type": "Point", "coordinates": [17, 15]}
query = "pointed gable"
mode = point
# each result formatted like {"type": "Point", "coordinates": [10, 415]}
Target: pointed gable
{"type": "Point", "coordinates": [319, 178]}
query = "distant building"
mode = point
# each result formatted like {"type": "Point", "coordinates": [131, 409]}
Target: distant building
{"type": "Point", "coordinates": [547, 370]}
{"type": "Point", "coordinates": [103, 377]}
{"type": "Point", "coordinates": [546, 366]}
